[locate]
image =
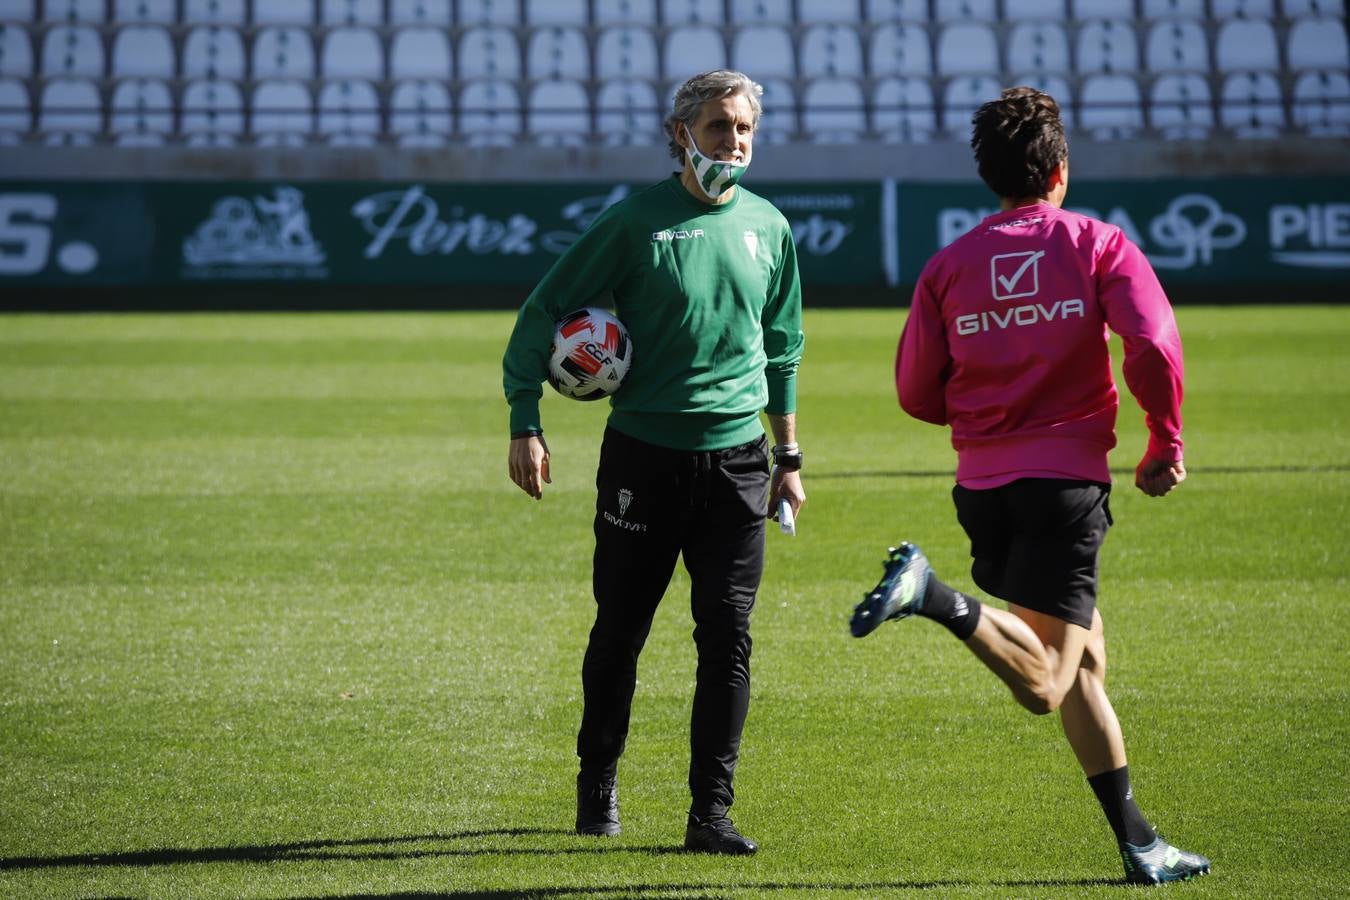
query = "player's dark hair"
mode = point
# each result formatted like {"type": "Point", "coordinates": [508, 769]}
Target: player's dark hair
{"type": "Point", "coordinates": [1018, 141]}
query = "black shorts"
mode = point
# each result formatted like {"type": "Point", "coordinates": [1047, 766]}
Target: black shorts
{"type": "Point", "coordinates": [1035, 541]}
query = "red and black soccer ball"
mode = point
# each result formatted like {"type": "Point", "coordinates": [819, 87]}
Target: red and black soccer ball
{"type": "Point", "coordinates": [590, 355]}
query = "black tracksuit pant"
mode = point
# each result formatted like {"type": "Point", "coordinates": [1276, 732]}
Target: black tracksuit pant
{"type": "Point", "coordinates": [655, 504]}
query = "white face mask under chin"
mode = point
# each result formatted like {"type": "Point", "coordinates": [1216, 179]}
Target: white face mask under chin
{"type": "Point", "coordinates": [714, 177]}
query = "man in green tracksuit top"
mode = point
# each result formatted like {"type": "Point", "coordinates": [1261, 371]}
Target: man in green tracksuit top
{"type": "Point", "coordinates": [704, 275]}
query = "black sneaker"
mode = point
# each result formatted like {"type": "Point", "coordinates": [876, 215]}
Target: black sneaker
{"type": "Point", "coordinates": [1158, 862]}
{"type": "Point", "coordinates": [716, 834]}
{"type": "Point", "coordinates": [899, 593]}
{"type": "Point", "coordinates": [597, 806]}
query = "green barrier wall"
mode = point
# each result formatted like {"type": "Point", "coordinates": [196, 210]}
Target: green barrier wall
{"type": "Point", "coordinates": [858, 238]}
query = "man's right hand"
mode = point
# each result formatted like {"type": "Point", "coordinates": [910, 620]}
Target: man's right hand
{"type": "Point", "coordinates": [1156, 477]}
{"type": "Point", "coordinates": [527, 463]}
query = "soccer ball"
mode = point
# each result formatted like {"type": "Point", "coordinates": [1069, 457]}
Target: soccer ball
{"type": "Point", "coordinates": [590, 355]}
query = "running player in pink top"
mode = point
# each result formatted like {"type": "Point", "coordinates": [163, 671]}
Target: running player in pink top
{"type": "Point", "coordinates": [1006, 342]}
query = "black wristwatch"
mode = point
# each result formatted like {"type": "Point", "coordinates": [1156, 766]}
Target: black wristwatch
{"type": "Point", "coordinates": [787, 456]}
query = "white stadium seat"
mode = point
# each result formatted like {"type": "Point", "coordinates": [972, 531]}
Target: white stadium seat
{"type": "Point", "coordinates": [896, 10]}
{"type": "Point", "coordinates": [1243, 45]}
{"type": "Point", "coordinates": [142, 112]}
{"type": "Point", "coordinates": [147, 11]}
{"type": "Point", "coordinates": [70, 111]}
{"type": "Point", "coordinates": [420, 52]}
{"type": "Point", "coordinates": [73, 11]}
{"type": "Point", "coordinates": [961, 98]}
{"type": "Point", "coordinates": [967, 49]}
{"type": "Point", "coordinates": [1177, 45]}
{"type": "Point", "coordinates": [831, 51]}
{"type": "Point", "coordinates": [626, 113]}
{"type": "Point", "coordinates": [1165, 9]}
{"type": "Point", "coordinates": [352, 12]}
{"type": "Point", "coordinates": [349, 113]}
{"type": "Point", "coordinates": [624, 12]}
{"type": "Point", "coordinates": [283, 114]}
{"type": "Point", "coordinates": [1107, 45]}
{"type": "Point", "coordinates": [1322, 104]}
{"type": "Point", "coordinates": [903, 111]}
{"type": "Point", "coordinates": [1110, 107]}
{"type": "Point", "coordinates": [489, 12]}
{"type": "Point", "coordinates": [833, 111]}
{"type": "Point", "coordinates": [283, 53]}
{"type": "Point", "coordinates": [1033, 10]}
{"type": "Point", "coordinates": [761, 12]}
{"type": "Point", "coordinates": [779, 122]}
{"type": "Point", "coordinates": [419, 113]}
{"type": "Point", "coordinates": [626, 51]}
{"type": "Point", "coordinates": [283, 12]}
{"type": "Point", "coordinates": [420, 12]}
{"type": "Point", "coordinates": [489, 53]}
{"type": "Point", "coordinates": [1082, 10]}
{"type": "Point", "coordinates": [1038, 46]}
{"type": "Point", "coordinates": [817, 12]}
{"type": "Point", "coordinates": [352, 52]}
{"type": "Point", "coordinates": [16, 111]}
{"type": "Point", "coordinates": [72, 50]}
{"type": "Point", "coordinates": [965, 10]}
{"type": "Point", "coordinates": [558, 114]}
{"type": "Point", "coordinates": [213, 51]}
{"type": "Point", "coordinates": [691, 49]}
{"type": "Point", "coordinates": [557, 12]}
{"type": "Point", "coordinates": [691, 12]}
{"type": "Point", "coordinates": [900, 49]}
{"type": "Point", "coordinates": [1318, 44]}
{"type": "Point", "coordinates": [16, 51]}
{"type": "Point", "coordinates": [558, 52]}
{"type": "Point", "coordinates": [213, 113]}
{"type": "Point", "coordinates": [1250, 105]}
{"type": "Point", "coordinates": [1181, 107]}
{"type": "Point", "coordinates": [143, 51]}
{"type": "Point", "coordinates": [489, 114]}
{"type": "Point", "coordinates": [765, 50]}
{"type": "Point", "coordinates": [214, 12]}
{"type": "Point", "coordinates": [18, 11]}
{"type": "Point", "coordinates": [1242, 9]}
{"type": "Point", "coordinates": [1298, 9]}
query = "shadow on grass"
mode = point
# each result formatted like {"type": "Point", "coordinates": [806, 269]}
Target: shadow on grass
{"type": "Point", "coordinates": [374, 848]}
{"type": "Point", "coordinates": [723, 891]}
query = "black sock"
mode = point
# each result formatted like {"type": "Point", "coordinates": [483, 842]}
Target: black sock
{"type": "Point", "coordinates": [952, 608]}
{"type": "Point", "coordinates": [1117, 799]}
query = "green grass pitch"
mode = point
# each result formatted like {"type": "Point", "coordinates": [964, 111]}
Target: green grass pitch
{"type": "Point", "coordinates": [274, 622]}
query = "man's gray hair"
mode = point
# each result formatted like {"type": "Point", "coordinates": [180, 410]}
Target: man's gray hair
{"type": "Point", "coordinates": [715, 85]}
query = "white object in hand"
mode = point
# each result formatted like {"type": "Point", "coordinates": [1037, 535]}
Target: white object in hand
{"type": "Point", "coordinates": [785, 520]}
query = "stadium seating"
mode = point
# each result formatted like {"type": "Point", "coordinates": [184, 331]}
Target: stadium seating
{"type": "Point", "coordinates": [213, 52]}
{"type": "Point", "coordinates": [16, 113]}
{"type": "Point", "coordinates": [765, 50]}
{"type": "Point", "coordinates": [915, 69]}
{"type": "Point", "coordinates": [420, 52]}
{"type": "Point", "coordinates": [16, 51]}
{"type": "Point", "coordinates": [625, 112]}
{"type": "Point", "coordinates": [420, 113]}
{"type": "Point", "coordinates": [142, 113]}
{"type": "Point", "coordinates": [903, 111]}
{"type": "Point", "coordinates": [159, 12]}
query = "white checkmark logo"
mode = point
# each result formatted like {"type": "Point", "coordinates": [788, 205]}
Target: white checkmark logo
{"type": "Point", "coordinates": [1009, 283]}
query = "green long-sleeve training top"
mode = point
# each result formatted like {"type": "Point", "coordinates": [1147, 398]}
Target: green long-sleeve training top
{"type": "Point", "coordinates": [712, 301]}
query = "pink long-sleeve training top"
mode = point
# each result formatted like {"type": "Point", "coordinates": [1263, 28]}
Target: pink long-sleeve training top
{"type": "Point", "coordinates": [1006, 342]}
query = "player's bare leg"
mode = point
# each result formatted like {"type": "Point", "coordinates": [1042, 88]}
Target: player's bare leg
{"type": "Point", "coordinates": [1048, 664]}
